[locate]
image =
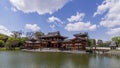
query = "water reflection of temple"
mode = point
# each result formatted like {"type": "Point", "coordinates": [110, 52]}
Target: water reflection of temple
{"type": "Point", "coordinates": [56, 40]}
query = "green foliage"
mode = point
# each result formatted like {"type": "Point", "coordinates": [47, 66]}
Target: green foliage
{"type": "Point", "coordinates": [15, 42]}
{"type": "Point", "coordinates": [100, 43]}
{"type": "Point", "coordinates": [116, 39]}
{"type": "Point", "coordinates": [12, 42]}
{"type": "Point", "coordinates": [91, 42]}
{"type": "Point", "coordinates": [88, 43]}
{"type": "Point", "coordinates": [3, 37]}
{"type": "Point", "coordinates": [38, 35]}
{"type": "Point", "coordinates": [106, 44]}
{"type": "Point", "coordinates": [2, 43]}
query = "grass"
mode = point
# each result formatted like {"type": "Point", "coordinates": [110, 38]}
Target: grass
{"type": "Point", "coordinates": [5, 49]}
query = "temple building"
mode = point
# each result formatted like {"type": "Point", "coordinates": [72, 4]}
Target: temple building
{"type": "Point", "coordinates": [53, 39]}
{"type": "Point", "coordinates": [56, 40]}
{"type": "Point", "coordinates": [32, 43]}
{"type": "Point", "coordinates": [77, 43]}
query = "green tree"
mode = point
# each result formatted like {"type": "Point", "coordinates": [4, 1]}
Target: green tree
{"type": "Point", "coordinates": [3, 37]}
{"type": "Point", "coordinates": [88, 41]}
{"type": "Point", "coordinates": [117, 40]}
{"type": "Point", "coordinates": [22, 41]}
{"type": "Point", "coordinates": [12, 43]}
{"type": "Point", "coordinates": [38, 35]}
{"type": "Point", "coordinates": [100, 42]}
{"type": "Point", "coordinates": [15, 42]}
{"type": "Point", "coordinates": [2, 43]}
{"type": "Point", "coordinates": [91, 42]}
{"type": "Point", "coordinates": [106, 44]}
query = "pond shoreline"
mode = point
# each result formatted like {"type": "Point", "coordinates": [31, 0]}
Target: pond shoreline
{"type": "Point", "coordinates": [55, 50]}
{"type": "Point", "coordinates": [109, 53]}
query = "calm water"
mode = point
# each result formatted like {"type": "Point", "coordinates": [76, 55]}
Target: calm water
{"type": "Point", "coordinates": [18, 59]}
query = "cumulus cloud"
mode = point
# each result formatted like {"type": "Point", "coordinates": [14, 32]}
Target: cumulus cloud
{"type": "Point", "coordinates": [54, 19]}
{"type": "Point", "coordinates": [112, 16]}
{"type": "Point", "coordinates": [13, 9]}
{"type": "Point", "coordinates": [76, 23]}
{"type": "Point", "coordinates": [113, 31]}
{"type": "Point", "coordinates": [33, 27]}
{"type": "Point", "coordinates": [80, 26]}
{"type": "Point", "coordinates": [4, 30]}
{"type": "Point", "coordinates": [39, 6]}
{"type": "Point", "coordinates": [77, 17]}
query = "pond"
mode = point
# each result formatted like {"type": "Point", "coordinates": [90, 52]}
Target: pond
{"type": "Point", "coordinates": [19, 59]}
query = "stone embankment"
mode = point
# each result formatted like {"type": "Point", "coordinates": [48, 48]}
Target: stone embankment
{"type": "Point", "coordinates": [110, 52]}
{"type": "Point", "coordinates": [54, 50]}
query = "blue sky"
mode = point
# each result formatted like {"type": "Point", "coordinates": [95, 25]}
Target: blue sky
{"type": "Point", "coordinates": [100, 18]}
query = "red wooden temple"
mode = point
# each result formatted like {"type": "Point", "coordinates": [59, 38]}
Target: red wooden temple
{"type": "Point", "coordinates": [56, 40]}
{"type": "Point", "coordinates": [53, 39]}
{"type": "Point", "coordinates": [77, 43]}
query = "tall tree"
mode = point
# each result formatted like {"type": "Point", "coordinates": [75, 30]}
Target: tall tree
{"type": "Point", "coordinates": [12, 43]}
{"type": "Point", "coordinates": [117, 40]}
{"type": "Point", "coordinates": [92, 42]}
{"type": "Point", "coordinates": [3, 37]}
{"type": "Point", "coordinates": [100, 42]}
{"type": "Point", "coordinates": [106, 44]}
{"type": "Point", "coordinates": [2, 43]}
{"type": "Point", "coordinates": [38, 35]}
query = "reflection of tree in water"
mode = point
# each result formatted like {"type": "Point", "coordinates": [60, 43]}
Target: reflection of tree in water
{"type": "Point", "coordinates": [102, 61]}
{"type": "Point", "coordinates": [63, 60]}
{"type": "Point", "coordinates": [80, 60]}
{"type": "Point", "coordinates": [50, 60]}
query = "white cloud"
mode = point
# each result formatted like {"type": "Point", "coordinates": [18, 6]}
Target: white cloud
{"type": "Point", "coordinates": [54, 19]}
{"type": "Point", "coordinates": [13, 9]}
{"type": "Point", "coordinates": [39, 6]}
{"type": "Point", "coordinates": [77, 17]}
{"type": "Point", "coordinates": [4, 30]}
{"type": "Point", "coordinates": [112, 17]}
{"type": "Point", "coordinates": [33, 27]}
{"type": "Point", "coordinates": [113, 31]}
{"type": "Point", "coordinates": [80, 26]}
